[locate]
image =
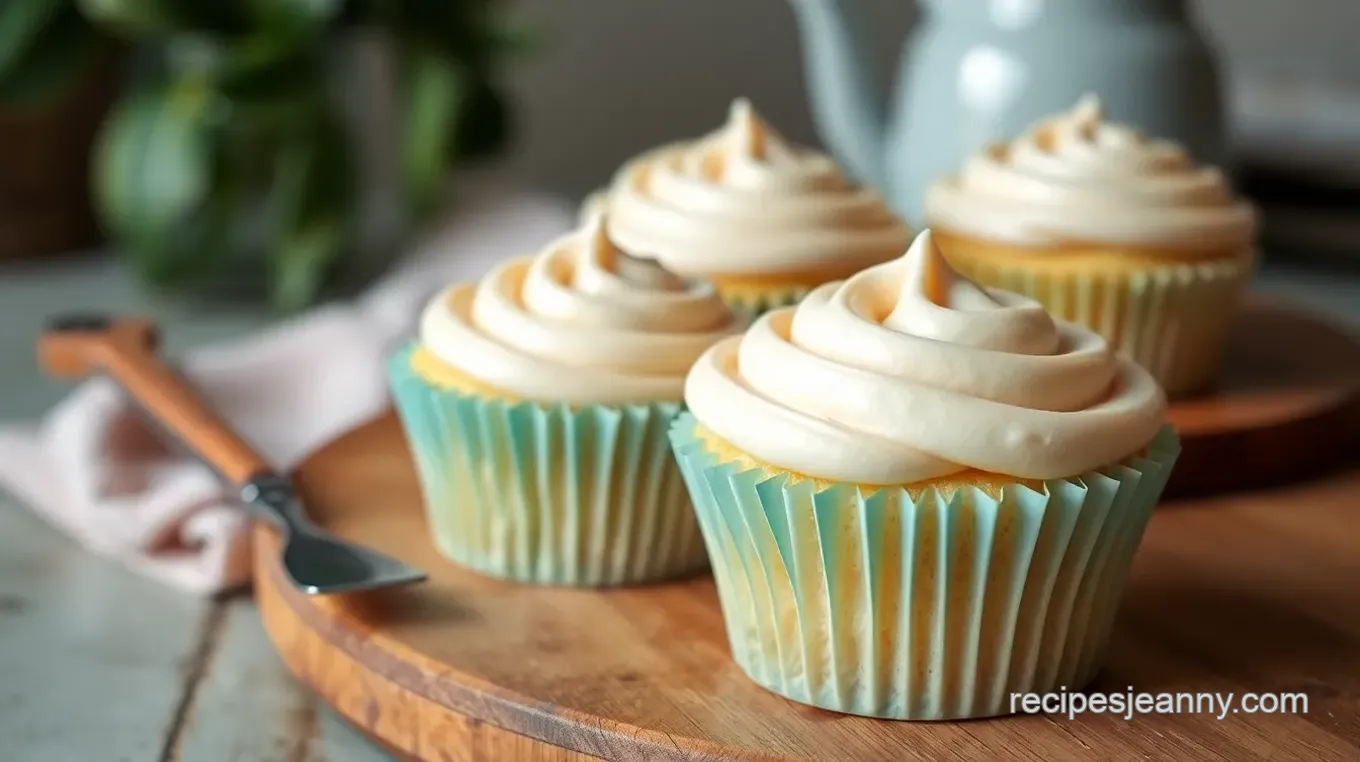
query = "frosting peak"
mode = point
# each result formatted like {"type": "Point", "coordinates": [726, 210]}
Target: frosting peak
{"type": "Point", "coordinates": [1077, 178]}
{"type": "Point", "coordinates": [907, 371]}
{"type": "Point", "coordinates": [747, 135]}
{"type": "Point", "coordinates": [743, 200]}
{"type": "Point", "coordinates": [934, 302]}
{"type": "Point", "coordinates": [753, 156]}
{"type": "Point", "coordinates": [581, 322]}
{"type": "Point", "coordinates": [1086, 118]}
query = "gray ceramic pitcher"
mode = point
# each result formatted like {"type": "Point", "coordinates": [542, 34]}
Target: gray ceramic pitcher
{"type": "Point", "coordinates": [975, 71]}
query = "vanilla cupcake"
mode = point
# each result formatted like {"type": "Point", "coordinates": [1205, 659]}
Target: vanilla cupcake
{"type": "Point", "coordinates": [1110, 228]}
{"type": "Point", "coordinates": [764, 220]}
{"type": "Point", "coordinates": [536, 404]}
{"type": "Point", "coordinates": [919, 495]}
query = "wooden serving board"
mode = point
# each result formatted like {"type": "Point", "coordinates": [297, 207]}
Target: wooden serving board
{"type": "Point", "coordinates": [1249, 593]}
{"type": "Point", "coordinates": [1287, 405]}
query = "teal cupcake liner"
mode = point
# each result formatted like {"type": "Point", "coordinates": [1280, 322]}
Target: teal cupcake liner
{"type": "Point", "coordinates": [546, 493]}
{"type": "Point", "coordinates": [934, 608]}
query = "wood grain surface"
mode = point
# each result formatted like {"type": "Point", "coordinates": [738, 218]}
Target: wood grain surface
{"type": "Point", "coordinates": [1287, 405]}
{"type": "Point", "coordinates": [1250, 593]}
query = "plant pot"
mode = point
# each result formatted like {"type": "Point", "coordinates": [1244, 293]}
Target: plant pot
{"type": "Point", "coordinates": [44, 169]}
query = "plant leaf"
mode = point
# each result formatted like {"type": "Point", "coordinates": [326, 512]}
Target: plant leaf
{"type": "Point", "coordinates": [484, 123]}
{"type": "Point", "coordinates": [132, 18]}
{"type": "Point", "coordinates": [272, 66]}
{"type": "Point", "coordinates": [260, 68]}
{"type": "Point", "coordinates": [512, 35]}
{"type": "Point", "coordinates": [152, 171]}
{"type": "Point", "coordinates": [303, 261]}
{"type": "Point", "coordinates": [214, 231]}
{"type": "Point", "coordinates": [435, 88]}
{"type": "Point", "coordinates": [21, 24]}
{"type": "Point", "coordinates": [54, 63]}
{"type": "Point", "coordinates": [296, 15]}
{"type": "Point", "coordinates": [314, 194]}
{"type": "Point", "coordinates": [227, 17]}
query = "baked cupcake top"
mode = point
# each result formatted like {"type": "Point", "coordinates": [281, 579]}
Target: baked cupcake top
{"type": "Point", "coordinates": [1078, 179]}
{"type": "Point", "coordinates": [580, 322]}
{"type": "Point", "coordinates": [743, 201]}
{"type": "Point", "coordinates": [907, 372]}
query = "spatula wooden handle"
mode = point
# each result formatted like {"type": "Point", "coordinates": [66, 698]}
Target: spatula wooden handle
{"type": "Point", "coordinates": [126, 350]}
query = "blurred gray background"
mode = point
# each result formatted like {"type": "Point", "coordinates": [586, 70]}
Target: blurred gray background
{"type": "Point", "coordinates": [624, 75]}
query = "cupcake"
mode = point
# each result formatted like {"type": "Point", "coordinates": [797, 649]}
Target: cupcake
{"type": "Point", "coordinates": [764, 220]}
{"type": "Point", "coordinates": [1109, 228]}
{"type": "Point", "coordinates": [919, 495]}
{"type": "Point", "coordinates": [536, 404]}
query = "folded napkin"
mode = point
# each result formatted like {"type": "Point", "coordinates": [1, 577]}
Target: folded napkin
{"type": "Point", "coordinates": [96, 471]}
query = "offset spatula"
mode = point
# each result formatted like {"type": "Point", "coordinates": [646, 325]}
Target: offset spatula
{"type": "Point", "coordinates": [125, 350]}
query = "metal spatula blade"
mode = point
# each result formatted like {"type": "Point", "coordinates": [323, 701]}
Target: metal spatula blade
{"type": "Point", "coordinates": [125, 350]}
{"type": "Point", "coordinates": [315, 561]}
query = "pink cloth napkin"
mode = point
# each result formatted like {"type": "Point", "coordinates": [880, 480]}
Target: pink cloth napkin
{"type": "Point", "coordinates": [97, 472]}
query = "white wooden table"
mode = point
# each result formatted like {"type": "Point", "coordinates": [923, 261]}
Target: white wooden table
{"type": "Point", "coordinates": [100, 665]}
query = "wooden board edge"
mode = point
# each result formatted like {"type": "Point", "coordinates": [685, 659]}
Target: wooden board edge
{"type": "Point", "coordinates": [329, 651]}
{"type": "Point", "coordinates": [1322, 443]}
{"type": "Point", "coordinates": [365, 700]}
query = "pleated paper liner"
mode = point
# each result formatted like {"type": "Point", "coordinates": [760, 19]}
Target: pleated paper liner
{"type": "Point", "coordinates": [929, 609]}
{"type": "Point", "coordinates": [752, 304]}
{"type": "Point", "coordinates": [546, 493]}
{"type": "Point", "coordinates": [1172, 320]}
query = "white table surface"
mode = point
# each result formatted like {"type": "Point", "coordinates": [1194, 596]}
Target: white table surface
{"type": "Point", "coordinates": [100, 665]}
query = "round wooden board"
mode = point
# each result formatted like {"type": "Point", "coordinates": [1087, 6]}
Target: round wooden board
{"type": "Point", "coordinates": [1248, 593]}
{"type": "Point", "coordinates": [1287, 405]}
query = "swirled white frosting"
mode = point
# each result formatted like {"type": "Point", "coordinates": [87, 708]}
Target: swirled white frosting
{"type": "Point", "coordinates": [743, 201]}
{"type": "Point", "coordinates": [907, 371]}
{"type": "Point", "coordinates": [1079, 179]}
{"type": "Point", "coordinates": [581, 322]}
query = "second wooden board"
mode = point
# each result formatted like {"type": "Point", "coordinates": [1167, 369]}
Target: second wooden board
{"type": "Point", "coordinates": [1287, 405]}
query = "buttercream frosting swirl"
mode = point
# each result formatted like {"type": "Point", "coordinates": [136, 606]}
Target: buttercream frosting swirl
{"type": "Point", "coordinates": [1078, 179]}
{"type": "Point", "coordinates": [743, 201]}
{"type": "Point", "coordinates": [907, 371]}
{"type": "Point", "coordinates": [581, 322]}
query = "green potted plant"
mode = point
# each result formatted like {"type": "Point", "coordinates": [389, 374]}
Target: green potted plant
{"type": "Point", "coordinates": [229, 157]}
